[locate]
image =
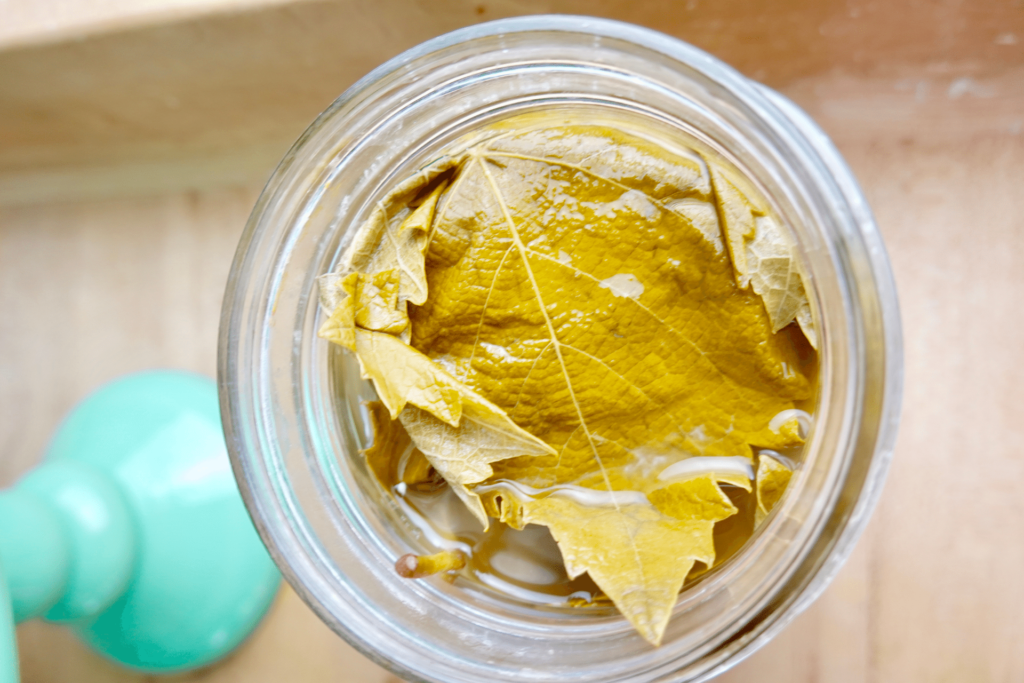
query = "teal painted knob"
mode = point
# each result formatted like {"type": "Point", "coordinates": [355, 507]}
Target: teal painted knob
{"type": "Point", "coordinates": [132, 531]}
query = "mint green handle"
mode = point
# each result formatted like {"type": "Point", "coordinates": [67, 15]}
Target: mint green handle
{"type": "Point", "coordinates": [68, 540]}
{"type": "Point", "coordinates": [132, 531]}
{"type": "Point", "coordinates": [8, 648]}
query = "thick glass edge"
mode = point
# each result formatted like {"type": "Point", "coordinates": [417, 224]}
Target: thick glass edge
{"type": "Point", "coordinates": [815, 582]}
{"type": "Point", "coordinates": [229, 337]}
{"type": "Point", "coordinates": [294, 566]}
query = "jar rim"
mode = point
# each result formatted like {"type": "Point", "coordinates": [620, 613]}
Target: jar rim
{"type": "Point", "coordinates": [255, 406]}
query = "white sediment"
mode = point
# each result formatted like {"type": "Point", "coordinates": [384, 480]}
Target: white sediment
{"type": "Point", "coordinates": [584, 496]}
{"type": "Point", "coordinates": [516, 591]}
{"type": "Point", "coordinates": [698, 466]}
{"type": "Point", "coordinates": [802, 417]}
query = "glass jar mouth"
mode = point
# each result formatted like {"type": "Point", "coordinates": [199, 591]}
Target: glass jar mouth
{"type": "Point", "coordinates": [292, 444]}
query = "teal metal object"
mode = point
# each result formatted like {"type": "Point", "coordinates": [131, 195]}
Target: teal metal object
{"type": "Point", "coordinates": [133, 533]}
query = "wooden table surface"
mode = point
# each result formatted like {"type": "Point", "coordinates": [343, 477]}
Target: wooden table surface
{"type": "Point", "coordinates": [93, 288]}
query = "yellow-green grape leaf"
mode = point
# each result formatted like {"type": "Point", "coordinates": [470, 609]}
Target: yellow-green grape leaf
{"type": "Point", "coordinates": [391, 444]}
{"type": "Point", "coordinates": [393, 457]}
{"type": "Point", "coordinates": [617, 536]}
{"type": "Point", "coordinates": [773, 477]}
{"type": "Point", "coordinates": [567, 287]}
{"type": "Point", "coordinates": [582, 333]}
{"type": "Point", "coordinates": [463, 453]}
{"type": "Point", "coordinates": [731, 534]}
{"type": "Point", "coordinates": [600, 319]}
{"type": "Point", "coordinates": [458, 430]}
{"type": "Point", "coordinates": [764, 257]}
{"type": "Point", "coordinates": [393, 238]}
{"type": "Point", "coordinates": [790, 429]}
{"type": "Point", "coordinates": [699, 499]}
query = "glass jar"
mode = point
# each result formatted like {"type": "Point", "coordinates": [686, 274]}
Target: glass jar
{"type": "Point", "coordinates": [291, 402]}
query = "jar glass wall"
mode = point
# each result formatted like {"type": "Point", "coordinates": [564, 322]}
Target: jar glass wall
{"type": "Point", "coordinates": [292, 403]}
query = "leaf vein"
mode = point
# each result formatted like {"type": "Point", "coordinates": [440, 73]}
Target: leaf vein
{"type": "Point", "coordinates": [659, 404]}
{"type": "Point", "coordinates": [516, 239]}
{"type": "Point", "coordinates": [647, 310]}
{"type": "Point", "coordinates": [522, 387]}
{"type": "Point", "coordinates": [483, 312]}
{"type": "Point", "coordinates": [556, 162]}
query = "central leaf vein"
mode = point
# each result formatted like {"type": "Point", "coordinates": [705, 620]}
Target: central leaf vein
{"type": "Point", "coordinates": [558, 352]}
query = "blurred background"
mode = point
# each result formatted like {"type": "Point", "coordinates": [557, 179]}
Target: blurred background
{"type": "Point", "coordinates": [135, 136]}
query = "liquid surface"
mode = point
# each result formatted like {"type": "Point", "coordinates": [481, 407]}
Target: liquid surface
{"type": "Point", "coordinates": [526, 564]}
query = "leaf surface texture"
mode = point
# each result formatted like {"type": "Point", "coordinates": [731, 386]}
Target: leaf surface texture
{"type": "Point", "coordinates": [557, 317]}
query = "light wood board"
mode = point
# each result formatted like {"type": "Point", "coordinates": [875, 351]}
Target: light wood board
{"type": "Point", "coordinates": [93, 289]}
{"type": "Point", "coordinates": [137, 102]}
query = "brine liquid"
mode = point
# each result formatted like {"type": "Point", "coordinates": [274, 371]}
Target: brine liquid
{"type": "Point", "coordinates": [523, 564]}
{"type": "Point", "coordinates": [526, 564]}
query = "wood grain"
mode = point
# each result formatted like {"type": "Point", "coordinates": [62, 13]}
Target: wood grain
{"type": "Point", "coordinates": [35, 22]}
{"type": "Point", "coordinates": [93, 291]}
{"type": "Point", "coordinates": [932, 592]}
{"type": "Point", "coordinates": [933, 129]}
{"type": "Point", "coordinates": [218, 97]}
